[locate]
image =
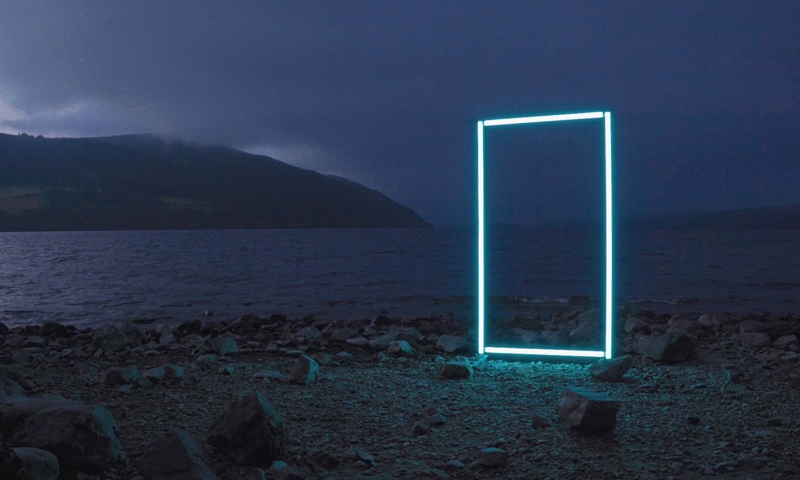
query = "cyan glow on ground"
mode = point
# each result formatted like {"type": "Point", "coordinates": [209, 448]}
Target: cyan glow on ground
{"type": "Point", "coordinates": [482, 347]}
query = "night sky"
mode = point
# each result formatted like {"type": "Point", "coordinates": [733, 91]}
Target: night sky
{"type": "Point", "coordinates": [704, 94]}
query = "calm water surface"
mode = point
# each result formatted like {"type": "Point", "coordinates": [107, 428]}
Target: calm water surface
{"type": "Point", "coordinates": [97, 277]}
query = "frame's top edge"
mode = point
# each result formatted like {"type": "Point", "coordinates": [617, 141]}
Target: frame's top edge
{"type": "Point", "coordinates": [543, 118]}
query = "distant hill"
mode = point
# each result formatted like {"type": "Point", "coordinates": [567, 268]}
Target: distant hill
{"type": "Point", "coordinates": [144, 182]}
{"type": "Point", "coordinates": [759, 218]}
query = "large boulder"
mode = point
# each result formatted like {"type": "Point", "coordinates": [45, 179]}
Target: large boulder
{"type": "Point", "coordinates": [82, 436]}
{"type": "Point", "coordinates": [175, 456]}
{"type": "Point", "coordinates": [251, 432]}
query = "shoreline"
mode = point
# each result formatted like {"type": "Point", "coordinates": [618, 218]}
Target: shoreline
{"type": "Point", "coordinates": [723, 405]}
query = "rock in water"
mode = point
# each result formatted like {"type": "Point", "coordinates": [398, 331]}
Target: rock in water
{"type": "Point", "coordinates": [588, 411]}
{"type": "Point", "coordinates": [673, 347]}
{"type": "Point", "coordinates": [37, 464]}
{"type": "Point", "coordinates": [252, 432]}
{"type": "Point", "coordinates": [458, 367]}
{"type": "Point", "coordinates": [82, 436]}
{"type": "Point", "coordinates": [305, 371]}
{"type": "Point", "coordinates": [611, 370]}
{"type": "Point", "coordinates": [175, 456]}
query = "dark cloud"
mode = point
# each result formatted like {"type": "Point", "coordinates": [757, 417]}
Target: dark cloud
{"type": "Point", "coordinates": [388, 92]}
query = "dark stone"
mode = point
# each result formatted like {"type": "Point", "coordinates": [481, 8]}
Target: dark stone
{"type": "Point", "coordinates": [459, 367]}
{"type": "Point", "coordinates": [304, 372]}
{"type": "Point", "coordinates": [175, 456]}
{"type": "Point", "coordinates": [588, 411]}
{"type": "Point", "coordinates": [191, 326]}
{"type": "Point", "coordinates": [492, 457]}
{"type": "Point", "coordinates": [53, 329]}
{"type": "Point", "coordinates": [611, 369]}
{"type": "Point", "coordinates": [37, 464]}
{"type": "Point", "coordinates": [81, 436]}
{"type": "Point", "coordinates": [11, 466]}
{"type": "Point", "coordinates": [251, 432]}
{"type": "Point", "coordinates": [224, 345]}
{"type": "Point", "coordinates": [452, 343]}
{"type": "Point", "coordinates": [323, 458]}
{"type": "Point", "coordinates": [672, 347]}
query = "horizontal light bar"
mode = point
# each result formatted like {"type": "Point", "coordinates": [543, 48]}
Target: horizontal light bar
{"type": "Point", "coordinates": [543, 118]}
{"type": "Point", "coordinates": [546, 351]}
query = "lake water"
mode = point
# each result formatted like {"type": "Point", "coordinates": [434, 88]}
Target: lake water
{"type": "Point", "coordinates": [91, 278]}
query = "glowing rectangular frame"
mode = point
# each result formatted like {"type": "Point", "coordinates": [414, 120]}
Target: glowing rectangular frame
{"type": "Point", "coordinates": [482, 348]}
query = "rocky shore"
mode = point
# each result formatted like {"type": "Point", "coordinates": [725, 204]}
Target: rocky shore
{"type": "Point", "coordinates": [272, 397]}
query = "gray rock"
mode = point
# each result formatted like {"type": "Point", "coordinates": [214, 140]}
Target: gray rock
{"type": "Point", "coordinates": [344, 333]}
{"type": "Point", "coordinates": [224, 345]}
{"type": "Point", "coordinates": [14, 340]}
{"type": "Point", "coordinates": [37, 464]}
{"type": "Point", "coordinates": [165, 335]}
{"type": "Point", "coordinates": [635, 325]}
{"type": "Point", "coordinates": [81, 436]}
{"type": "Point", "coordinates": [672, 346]}
{"type": "Point", "coordinates": [357, 341]}
{"type": "Point", "coordinates": [588, 411]}
{"type": "Point", "coordinates": [323, 358]}
{"type": "Point", "coordinates": [784, 341]}
{"type": "Point", "coordinates": [459, 367]}
{"type": "Point", "coordinates": [382, 341]}
{"type": "Point", "coordinates": [35, 340]}
{"type": "Point", "coordinates": [175, 456]}
{"type": "Point", "coordinates": [492, 457]}
{"type": "Point", "coordinates": [305, 371]}
{"type": "Point", "coordinates": [399, 348]}
{"type": "Point", "coordinates": [452, 343]}
{"type": "Point", "coordinates": [310, 334]}
{"type": "Point", "coordinates": [752, 326]}
{"type": "Point", "coordinates": [680, 324]}
{"type": "Point", "coordinates": [582, 334]}
{"type": "Point", "coordinates": [251, 432]}
{"type": "Point", "coordinates": [611, 369]}
{"type": "Point", "coordinates": [117, 338]}
{"type": "Point", "coordinates": [207, 358]}
{"type": "Point", "coordinates": [754, 339]}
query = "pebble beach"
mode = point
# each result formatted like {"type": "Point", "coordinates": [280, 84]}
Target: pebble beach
{"type": "Point", "coordinates": [693, 396]}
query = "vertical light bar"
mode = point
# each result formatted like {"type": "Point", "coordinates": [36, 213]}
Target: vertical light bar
{"type": "Point", "coordinates": [481, 290]}
{"type": "Point", "coordinates": [609, 237]}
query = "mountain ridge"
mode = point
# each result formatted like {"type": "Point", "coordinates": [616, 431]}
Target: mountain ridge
{"type": "Point", "coordinates": [145, 182]}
